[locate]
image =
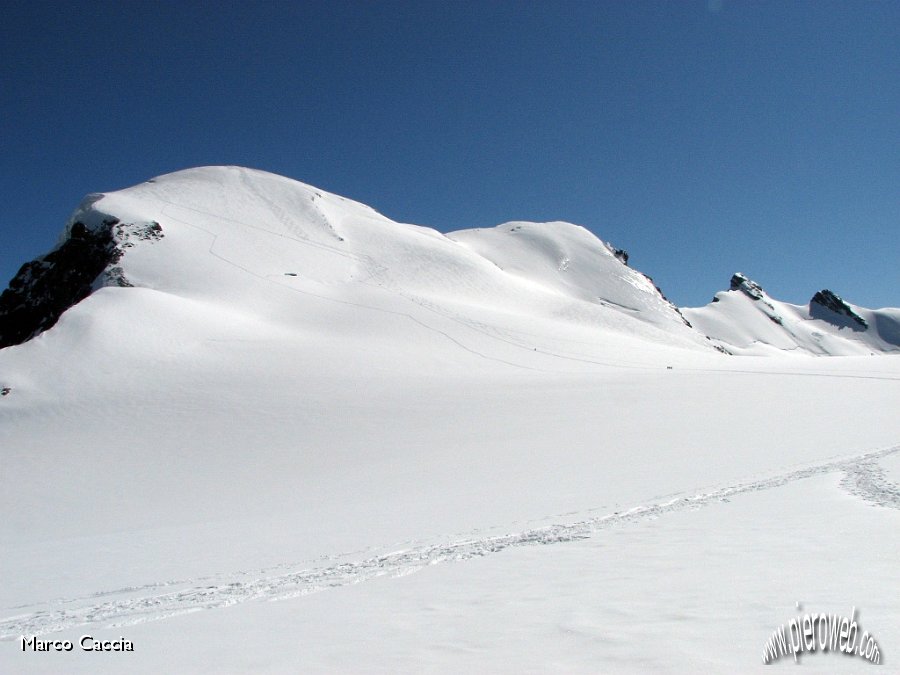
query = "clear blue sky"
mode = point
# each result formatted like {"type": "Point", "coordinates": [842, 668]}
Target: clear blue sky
{"type": "Point", "coordinates": [706, 137]}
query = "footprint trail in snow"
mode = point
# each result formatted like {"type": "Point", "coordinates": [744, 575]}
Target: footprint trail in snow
{"type": "Point", "coordinates": [862, 478]}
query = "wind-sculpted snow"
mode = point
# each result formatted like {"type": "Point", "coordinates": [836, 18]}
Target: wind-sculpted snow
{"type": "Point", "coordinates": [128, 606]}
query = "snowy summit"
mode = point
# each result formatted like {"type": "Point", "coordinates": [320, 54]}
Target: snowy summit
{"type": "Point", "coordinates": [246, 241]}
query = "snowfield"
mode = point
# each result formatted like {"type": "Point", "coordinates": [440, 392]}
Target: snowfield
{"type": "Point", "coordinates": [309, 439]}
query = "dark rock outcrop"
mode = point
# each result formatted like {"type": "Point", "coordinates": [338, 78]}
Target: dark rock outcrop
{"type": "Point", "coordinates": [832, 302]}
{"type": "Point", "coordinates": [46, 287]}
{"type": "Point", "coordinates": [742, 283]}
{"type": "Point", "coordinates": [748, 287]}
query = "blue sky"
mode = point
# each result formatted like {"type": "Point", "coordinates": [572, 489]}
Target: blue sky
{"type": "Point", "coordinates": [705, 137]}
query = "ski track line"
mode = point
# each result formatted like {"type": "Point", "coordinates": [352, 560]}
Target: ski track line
{"type": "Point", "coordinates": [862, 478]}
{"type": "Point", "coordinates": [348, 303]}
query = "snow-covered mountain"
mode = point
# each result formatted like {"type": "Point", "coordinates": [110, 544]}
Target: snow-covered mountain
{"type": "Point", "coordinates": [251, 242]}
{"type": "Point", "coordinates": [494, 450]}
{"type": "Point", "coordinates": [745, 319]}
{"type": "Point", "coordinates": [246, 241]}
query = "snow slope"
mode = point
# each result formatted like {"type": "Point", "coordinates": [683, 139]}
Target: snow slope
{"type": "Point", "coordinates": [435, 452]}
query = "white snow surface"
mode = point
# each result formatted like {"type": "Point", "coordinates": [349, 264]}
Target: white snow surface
{"type": "Point", "coordinates": [497, 450]}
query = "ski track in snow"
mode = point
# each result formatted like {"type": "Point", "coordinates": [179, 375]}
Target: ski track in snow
{"type": "Point", "coordinates": [862, 478]}
{"type": "Point", "coordinates": [376, 272]}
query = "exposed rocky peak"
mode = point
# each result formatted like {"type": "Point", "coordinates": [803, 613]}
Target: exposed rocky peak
{"type": "Point", "coordinates": [49, 285]}
{"type": "Point", "coordinates": [828, 300]}
{"type": "Point", "coordinates": [740, 282]}
{"type": "Point", "coordinates": [827, 326]}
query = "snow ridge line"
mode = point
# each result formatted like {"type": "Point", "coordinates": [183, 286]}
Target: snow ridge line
{"type": "Point", "coordinates": [863, 478]}
{"type": "Point", "coordinates": [376, 277]}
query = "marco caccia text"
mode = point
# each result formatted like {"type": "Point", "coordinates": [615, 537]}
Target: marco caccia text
{"type": "Point", "coordinates": [86, 643]}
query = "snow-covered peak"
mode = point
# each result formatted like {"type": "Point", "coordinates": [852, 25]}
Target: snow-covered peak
{"type": "Point", "coordinates": [275, 249]}
{"type": "Point", "coordinates": [571, 261]}
{"type": "Point", "coordinates": [745, 319]}
{"type": "Point", "coordinates": [831, 307]}
{"type": "Point", "coordinates": [740, 282]}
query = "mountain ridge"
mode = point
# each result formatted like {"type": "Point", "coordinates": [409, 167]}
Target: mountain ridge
{"type": "Point", "coordinates": [222, 230]}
